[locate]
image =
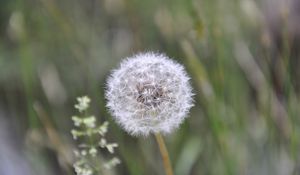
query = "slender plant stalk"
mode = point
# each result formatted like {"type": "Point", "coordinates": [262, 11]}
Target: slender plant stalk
{"type": "Point", "coordinates": [164, 154]}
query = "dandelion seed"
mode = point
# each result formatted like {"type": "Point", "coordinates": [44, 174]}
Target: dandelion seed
{"type": "Point", "coordinates": [149, 93]}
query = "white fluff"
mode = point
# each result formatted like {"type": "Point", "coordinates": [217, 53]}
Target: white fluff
{"type": "Point", "coordinates": [149, 93]}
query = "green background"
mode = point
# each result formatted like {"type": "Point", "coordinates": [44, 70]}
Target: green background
{"type": "Point", "coordinates": [242, 57]}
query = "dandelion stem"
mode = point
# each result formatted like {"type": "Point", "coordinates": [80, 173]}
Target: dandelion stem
{"type": "Point", "coordinates": [164, 154]}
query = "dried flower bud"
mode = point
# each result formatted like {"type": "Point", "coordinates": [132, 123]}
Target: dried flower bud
{"type": "Point", "coordinates": [149, 93]}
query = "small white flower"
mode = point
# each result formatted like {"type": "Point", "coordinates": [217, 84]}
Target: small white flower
{"type": "Point", "coordinates": [113, 162]}
{"type": "Point", "coordinates": [110, 147]}
{"type": "Point", "coordinates": [83, 153]}
{"type": "Point", "coordinates": [93, 151]}
{"type": "Point", "coordinates": [83, 103]}
{"type": "Point", "coordinates": [77, 121]}
{"type": "Point", "coordinates": [149, 93]}
{"type": "Point", "coordinates": [87, 129]}
{"type": "Point", "coordinates": [103, 129]}
{"type": "Point", "coordinates": [90, 122]}
{"type": "Point", "coordinates": [102, 143]}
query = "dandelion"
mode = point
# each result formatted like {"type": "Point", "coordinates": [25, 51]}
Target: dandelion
{"type": "Point", "coordinates": [149, 93]}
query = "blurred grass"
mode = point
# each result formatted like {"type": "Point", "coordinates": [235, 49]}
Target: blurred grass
{"type": "Point", "coordinates": [245, 77]}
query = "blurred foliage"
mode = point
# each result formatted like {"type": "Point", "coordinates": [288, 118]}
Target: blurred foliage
{"type": "Point", "coordinates": [243, 57]}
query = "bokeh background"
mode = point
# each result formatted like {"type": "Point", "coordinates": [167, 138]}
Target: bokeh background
{"type": "Point", "coordinates": [242, 55]}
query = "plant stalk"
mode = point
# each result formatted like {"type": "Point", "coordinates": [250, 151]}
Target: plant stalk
{"type": "Point", "coordinates": [164, 154]}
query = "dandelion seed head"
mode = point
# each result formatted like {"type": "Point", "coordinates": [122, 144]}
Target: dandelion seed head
{"type": "Point", "coordinates": [149, 93]}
